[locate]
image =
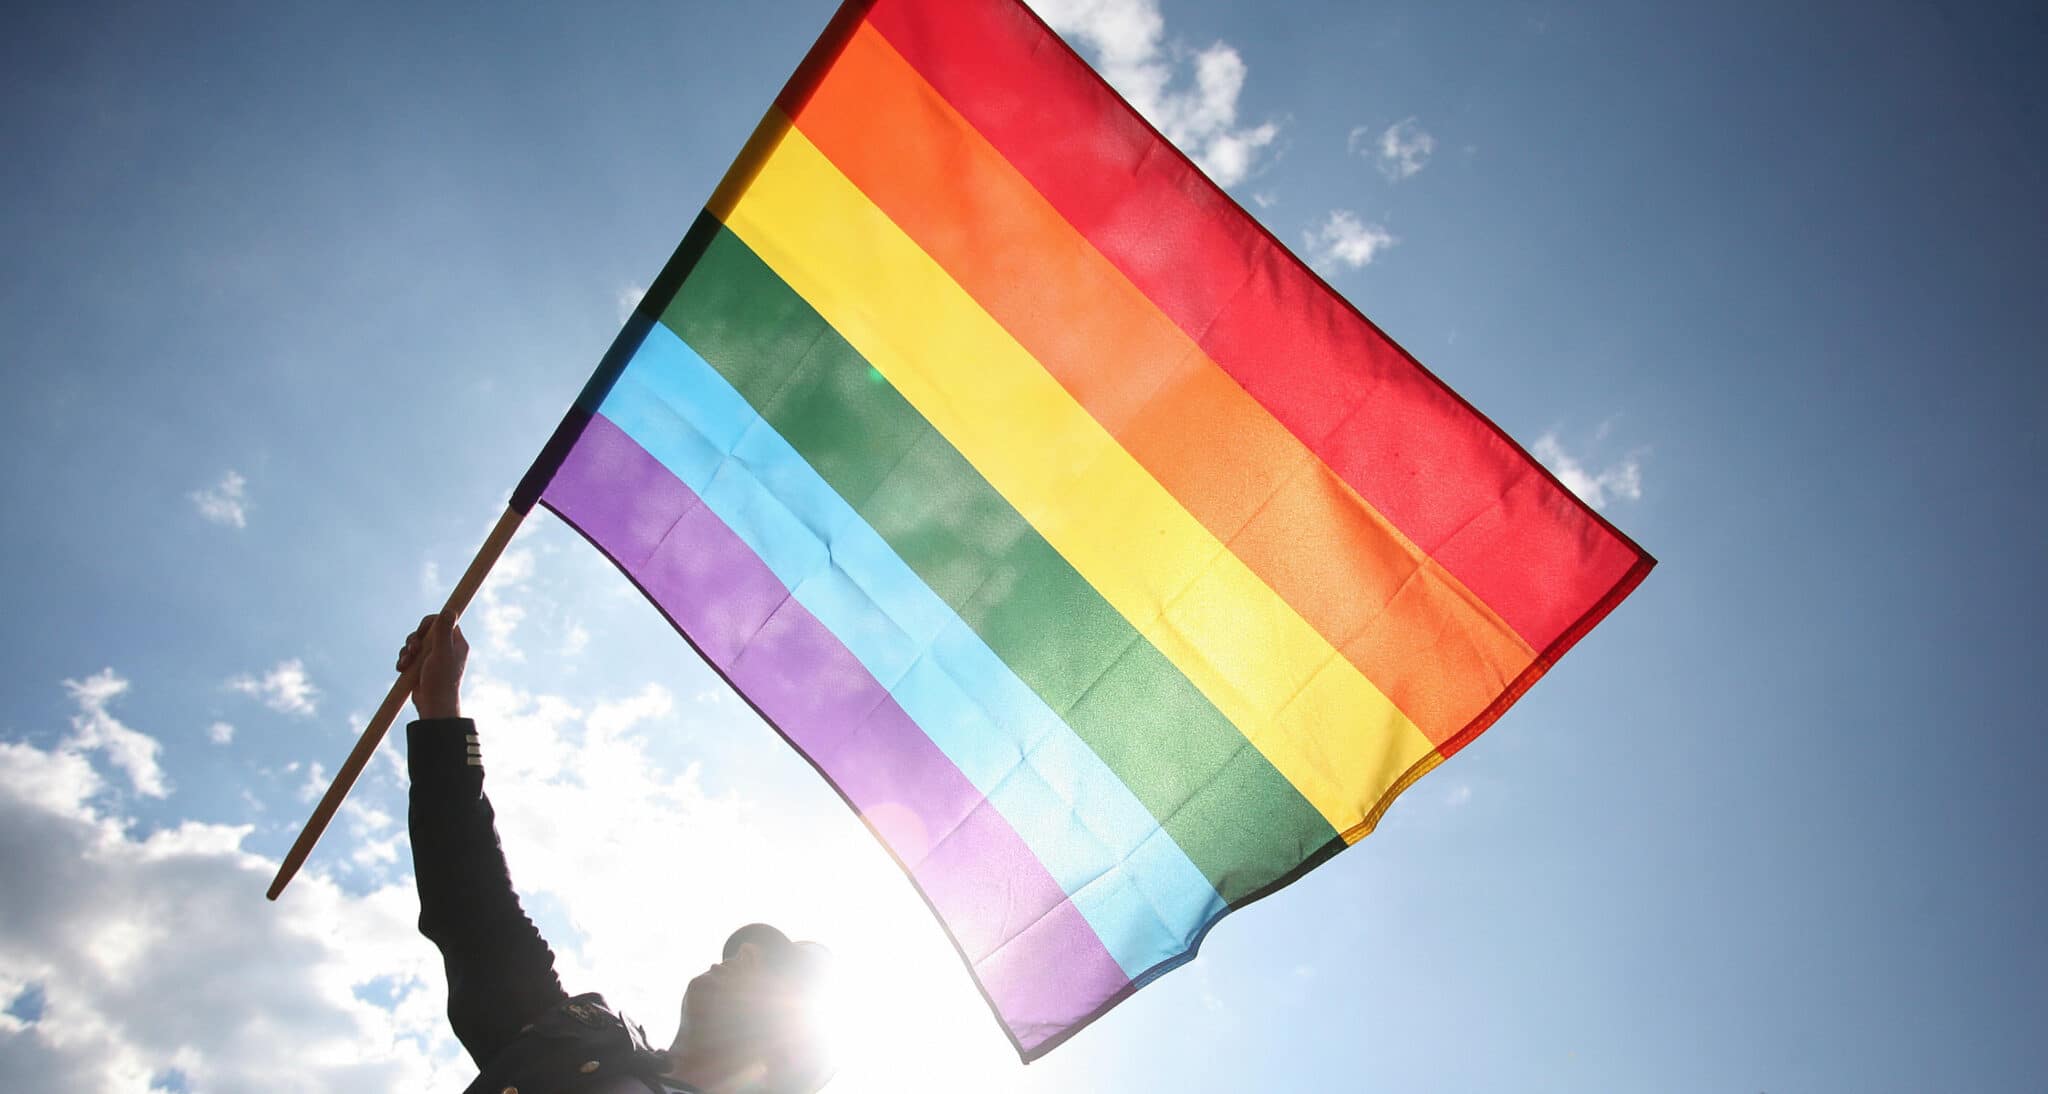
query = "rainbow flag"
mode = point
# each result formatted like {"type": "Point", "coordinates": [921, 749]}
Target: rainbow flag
{"type": "Point", "coordinates": [1112, 568]}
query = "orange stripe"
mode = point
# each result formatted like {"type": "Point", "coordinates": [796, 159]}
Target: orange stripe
{"type": "Point", "coordinates": [1410, 627]}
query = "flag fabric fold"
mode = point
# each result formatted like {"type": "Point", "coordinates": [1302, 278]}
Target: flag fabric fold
{"type": "Point", "coordinates": [1108, 563]}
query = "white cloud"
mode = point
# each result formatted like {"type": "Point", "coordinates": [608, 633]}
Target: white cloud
{"type": "Point", "coordinates": [220, 733]}
{"type": "Point", "coordinates": [1460, 794]}
{"type": "Point", "coordinates": [628, 299]}
{"type": "Point", "coordinates": [227, 503]}
{"type": "Point", "coordinates": [1403, 149]}
{"type": "Point", "coordinates": [1265, 199]}
{"type": "Point", "coordinates": [285, 688]}
{"type": "Point", "coordinates": [576, 640]}
{"type": "Point", "coordinates": [315, 784]}
{"type": "Point", "coordinates": [1620, 480]}
{"type": "Point", "coordinates": [94, 727]}
{"type": "Point", "coordinates": [1197, 113]}
{"type": "Point", "coordinates": [58, 782]}
{"type": "Point", "coordinates": [377, 835]}
{"type": "Point", "coordinates": [499, 614]}
{"type": "Point", "coordinates": [1344, 240]}
{"type": "Point", "coordinates": [158, 955]}
{"type": "Point", "coordinates": [501, 619]}
{"type": "Point", "coordinates": [718, 694]}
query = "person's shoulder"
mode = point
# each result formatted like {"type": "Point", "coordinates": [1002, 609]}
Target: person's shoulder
{"type": "Point", "coordinates": [579, 1044]}
{"type": "Point", "coordinates": [587, 1015]}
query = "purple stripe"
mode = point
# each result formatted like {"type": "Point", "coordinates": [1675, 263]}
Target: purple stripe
{"type": "Point", "coordinates": [1008, 916]}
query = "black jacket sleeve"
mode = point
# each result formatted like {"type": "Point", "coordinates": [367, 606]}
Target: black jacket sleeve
{"type": "Point", "coordinates": [501, 974]}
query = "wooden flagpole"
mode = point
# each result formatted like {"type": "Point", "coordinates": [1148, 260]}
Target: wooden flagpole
{"type": "Point", "coordinates": [366, 746]}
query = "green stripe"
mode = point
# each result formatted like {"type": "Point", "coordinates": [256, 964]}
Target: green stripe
{"type": "Point", "coordinates": [1237, 818]}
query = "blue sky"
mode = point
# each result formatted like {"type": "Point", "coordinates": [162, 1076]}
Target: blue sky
{"type": "Point", "coordinates": [292, 294]}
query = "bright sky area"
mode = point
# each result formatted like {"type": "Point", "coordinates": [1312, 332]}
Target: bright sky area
{"type": "Point", "coordinates": [291, 294]}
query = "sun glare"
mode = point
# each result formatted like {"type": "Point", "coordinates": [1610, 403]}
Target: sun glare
{"type": "Point", "coordinates": [901, 1011]}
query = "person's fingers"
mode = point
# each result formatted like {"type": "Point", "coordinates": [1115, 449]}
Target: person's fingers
{"type": "Point", "coordinates": [416, 642]}
{"type": "Point", "coordinates": [461, 643]}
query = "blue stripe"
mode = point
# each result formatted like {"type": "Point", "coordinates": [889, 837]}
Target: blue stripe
{"type": "Point", "coordinates": [1127, 877]}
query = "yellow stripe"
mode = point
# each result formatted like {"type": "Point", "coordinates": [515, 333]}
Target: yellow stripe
{"type": "Point", "coordinates": [1307, 708]}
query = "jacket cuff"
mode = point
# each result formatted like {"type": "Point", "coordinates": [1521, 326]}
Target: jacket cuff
{"type": "Point", "coordinates": [441, 751]}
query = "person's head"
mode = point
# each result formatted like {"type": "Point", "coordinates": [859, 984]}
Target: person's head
{"type": "Point", "coordinates": [751, 1022]}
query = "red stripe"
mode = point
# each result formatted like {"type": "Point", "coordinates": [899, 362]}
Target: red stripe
{"type": "Point", "coordinates": [1441, 472]}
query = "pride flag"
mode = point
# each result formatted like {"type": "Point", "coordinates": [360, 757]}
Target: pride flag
{"type": "Point", "coordinates": [1112, 568]}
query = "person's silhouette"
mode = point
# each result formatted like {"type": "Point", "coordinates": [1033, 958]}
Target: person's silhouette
{"type": "Point", "coordinates": [749, 1022]}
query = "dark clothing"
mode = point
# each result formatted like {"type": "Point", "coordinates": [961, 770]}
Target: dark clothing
{"type": "Point", "coordinates": [504, 1000]}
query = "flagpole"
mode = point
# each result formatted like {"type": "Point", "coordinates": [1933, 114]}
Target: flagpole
{"type": "Point", "coordinates": [401, 690]}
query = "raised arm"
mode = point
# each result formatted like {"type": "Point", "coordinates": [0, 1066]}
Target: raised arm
{"type": "Point", "coordinates": [501, 974]}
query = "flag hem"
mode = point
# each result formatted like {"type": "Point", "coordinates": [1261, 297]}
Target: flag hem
{"type": "Point", "coordinates": [1516, 688]}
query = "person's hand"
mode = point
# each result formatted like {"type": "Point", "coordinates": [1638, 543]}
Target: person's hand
{"type": "Point", "coordinates": [440, 651]}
